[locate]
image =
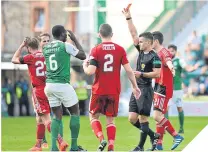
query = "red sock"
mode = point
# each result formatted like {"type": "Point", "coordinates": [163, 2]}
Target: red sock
{"type": "Point", "coordinates": [59, 139]}
{"type": "Point", "coordinates": [160, 130]}
{"type": "Point", "coordinates": [40, 131]}
{"type": "Point", "coordinates": [167, 125]}
{"type": "Point", "coordinates": [97, 128]}
{"type": "Point", "coordinates": [49, 127]}
{"type": "Point", "coordinates": [111, 133]}
{"type": "Point", "coordinates": [40, 134]}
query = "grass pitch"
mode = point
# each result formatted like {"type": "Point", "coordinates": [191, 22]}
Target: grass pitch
{"type": "Point", "coordinates": [18, 133]}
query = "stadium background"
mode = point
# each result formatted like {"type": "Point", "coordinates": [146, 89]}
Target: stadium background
{"type": "Point", "coordinates": [175, 19]}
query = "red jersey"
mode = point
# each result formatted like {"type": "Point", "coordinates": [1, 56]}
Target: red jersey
{"type": "Point", "coordinates": [36, 68]}
{"type": "Point", "coordinates": [109, 57]}
{"type": "Point", "coordinates": [164, 84]}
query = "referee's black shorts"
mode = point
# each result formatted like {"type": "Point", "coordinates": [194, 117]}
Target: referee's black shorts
{"type": "Point", "coordinates": [143, 105]}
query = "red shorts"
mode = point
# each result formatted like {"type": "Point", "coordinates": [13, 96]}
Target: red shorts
{"type": "Point", "coordinates": [105, 104]}
{"type": "Point", "coordinates": [40, 101]}
{"type": "Point", "coordinates": [160, 102]}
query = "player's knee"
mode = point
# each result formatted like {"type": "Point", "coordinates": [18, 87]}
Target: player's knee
{"type": "Point", "coordinates": [156, 117]}
{"type": "Point", "coordinates": [132, 120]}
{"type": "Point", "coordinates": [39, 120]}
{"type": "Point", "coordinates": [110, 120]}
{"type": "Point", "coordinates": [180, 109]}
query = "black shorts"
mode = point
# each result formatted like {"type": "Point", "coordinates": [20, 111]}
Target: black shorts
{"type": "Point", "coordinates": [143, 105]}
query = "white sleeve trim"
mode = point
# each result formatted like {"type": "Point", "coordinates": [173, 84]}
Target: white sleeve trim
{"type": "Point", "coordinates": [71, 49]}
{"type": "Point", "coordinates": [182, 63]}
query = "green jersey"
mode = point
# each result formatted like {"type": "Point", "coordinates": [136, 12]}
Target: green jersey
{"type": "Point", "coordinates": [57, 57]}
{"type": "Point", "coordinates": [178, 64]}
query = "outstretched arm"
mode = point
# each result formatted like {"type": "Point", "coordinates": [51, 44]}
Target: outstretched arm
{"type": "Point", "coordinates": [131, 26]}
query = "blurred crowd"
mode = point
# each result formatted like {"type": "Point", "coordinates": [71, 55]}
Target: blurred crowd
{"type": "Point", "coordinates": [15, 97]}
{"type": "Point", "coordinates": [15, 94]}
{"type": "Point", "coordinates": [196, 54]}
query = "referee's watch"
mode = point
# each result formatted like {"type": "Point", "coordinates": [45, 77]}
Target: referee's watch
{"type": "Point", "coordinates": [142, 74]}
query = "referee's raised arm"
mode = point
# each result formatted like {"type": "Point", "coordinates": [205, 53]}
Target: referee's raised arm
{"type": "Point", "coordinates": [132, 28]}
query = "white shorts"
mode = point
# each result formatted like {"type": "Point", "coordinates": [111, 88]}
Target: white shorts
{"type": "Point", "coordinates": [58, 93]}
{"type": "Point", "coordinates": [177, 98]}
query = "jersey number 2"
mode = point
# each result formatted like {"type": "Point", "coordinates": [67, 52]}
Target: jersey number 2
{"type": "Point", "coordinates": [107, 65]}
{"type": "Point", "coordinates": [39, 69]}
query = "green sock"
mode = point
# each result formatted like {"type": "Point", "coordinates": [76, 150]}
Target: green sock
{"type": "Point", "coordinates": [61, 129]}
{"type": "Point", "coordinates": [166, 115]}
{"type": "Point", "coordinates": [44, 139]}
{"type": "Point", "coordinates": [54, 133]}
{"type": "Point", "coordinates": [181, 119]}
{"type": "Point", "coordinates": [74, 127]}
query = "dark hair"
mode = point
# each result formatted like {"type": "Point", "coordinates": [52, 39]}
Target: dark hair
{"type": "Point", "coordinates": [172, 46]}
{"type": "Point", "coordinates": [147, 35]}
{"type": "Point", "coordinates": [33, 43]}
{"type": "Point", "coordinates": [157, 35]}
{"type": "Point", "coordinates": [105, 30]}
{"type": "Point", "coordinates": [57, 30]}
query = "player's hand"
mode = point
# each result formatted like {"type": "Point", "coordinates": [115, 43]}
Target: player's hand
{"type": "Point", "coordinates": [173, 71]}
{"type": "Point", "coordinates": [25, 42]}
{"type": "Point", "coordinates": [126, 13]}
{"type": "Point", "coordinates": [136, 92]}
{"type": "Point", "coordinates": [71, 35]}
{"type": "Point", "coordinates": [137, 74]}
{"type": "Point", "coordinates": [86, 63]}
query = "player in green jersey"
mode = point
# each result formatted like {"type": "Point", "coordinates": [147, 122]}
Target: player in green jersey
{"type": "Point", "coordinates": [58, 89]}
{"type": "Point", "coordinates": [179, 65]}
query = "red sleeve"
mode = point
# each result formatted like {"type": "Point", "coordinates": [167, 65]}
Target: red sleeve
{"type": "Point", "coordinates": [27, 59]}
{"type": "Point", "coordinates": [166, 55]}
{"type": "Point", "coordinates": [93, 54]}
{"type": "Point", "coordinates": [124, 58]}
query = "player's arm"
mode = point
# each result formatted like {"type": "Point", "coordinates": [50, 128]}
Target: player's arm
{"type": "Point", "coordinates": [90, 66]}
{"type": "Point", "coordinates": [132, 78]}
{"type": "Point", "coordinates": [131, 26]}
{"type": "Point", "coordinates": [168, 60]}
{"type": "Point", "coordinates": [80, 54]}
{"type": "Point", "coordinates": [130, 74]}
{"type": "Point", "coordinates": [16, 59]}
{"type": "Point", "coordinates": [186, 67]}
{"type": "Point", "coordinates": [155, 70]}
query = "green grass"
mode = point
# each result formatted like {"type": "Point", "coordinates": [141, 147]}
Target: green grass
{"type": "Point", "coordinates": [18, 134]}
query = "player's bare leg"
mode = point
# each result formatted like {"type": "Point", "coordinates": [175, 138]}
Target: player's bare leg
{"type": "Point", "coordinates": [97, 129]}
{"type": "Point", "coordinates": [163, 123]}
{"type": "Point", "coordinates": [74, 127]}
{"type": "Point", "coordinates": [111, 132]}
{"type": "Point", "coordinates": [39, 134]}
{"type": "Point", "coordinates": [134, 119]}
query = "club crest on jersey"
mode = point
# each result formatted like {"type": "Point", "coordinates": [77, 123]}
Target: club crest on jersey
{"type": "Point", "coordinates": [143, 66]}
